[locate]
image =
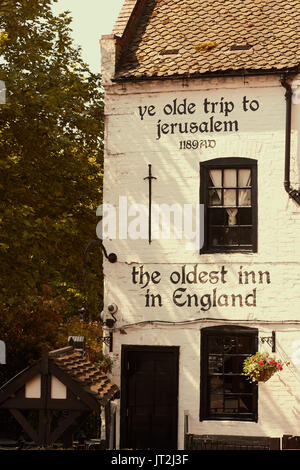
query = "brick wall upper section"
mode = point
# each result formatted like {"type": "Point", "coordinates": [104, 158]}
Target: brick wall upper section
{"type": "Point", "coordinates": [193, 37]}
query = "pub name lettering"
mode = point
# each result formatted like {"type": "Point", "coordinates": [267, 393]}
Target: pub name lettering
{"type": "Point", "coordinates": [186, 277]}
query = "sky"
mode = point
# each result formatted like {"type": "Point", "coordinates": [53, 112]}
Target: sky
{"type": "Point", "coordinates": [91, 20]}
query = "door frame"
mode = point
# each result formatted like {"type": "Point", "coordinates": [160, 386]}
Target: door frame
{"type": "Point", "coordinates": [125, 350]}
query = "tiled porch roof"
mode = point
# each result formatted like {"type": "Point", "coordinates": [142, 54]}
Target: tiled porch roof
{"type": "Point", "coordinates": [85, 373]}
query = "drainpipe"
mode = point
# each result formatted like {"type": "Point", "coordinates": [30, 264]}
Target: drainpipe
{"type": "Point", "coordinates": [293, 193]}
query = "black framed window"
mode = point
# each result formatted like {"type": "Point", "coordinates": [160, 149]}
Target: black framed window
{"type": "Point", "coordinates": [228, 190]}
{"type": "Point", "coordinates": [226, 393]}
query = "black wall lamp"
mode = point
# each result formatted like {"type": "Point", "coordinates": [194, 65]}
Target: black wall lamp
{"type": "Point", "coordinates": [109, 323]}
{"type": "Point", "coordinates": [112, 258]}
{"type": "Point", "coordinates": [271, 340]}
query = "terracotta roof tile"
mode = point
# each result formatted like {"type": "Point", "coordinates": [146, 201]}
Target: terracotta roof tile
{"type": "Point", "coordinates": [270, 27]}
{"type": "Point", "coordinates": [123, 17]}
{"type": "Point", "coordinates": [84, 372]}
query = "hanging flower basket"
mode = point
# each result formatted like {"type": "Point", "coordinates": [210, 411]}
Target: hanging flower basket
{"type": "Point", "coordinates": [261, 367]}
{"type": "Point", "coordinates": [103, 361]}
{"type": "Point", "coordinates": [263, 375]}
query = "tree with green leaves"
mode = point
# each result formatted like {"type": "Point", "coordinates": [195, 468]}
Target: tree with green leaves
{"type": "Point", "coordinates": [51, 154]}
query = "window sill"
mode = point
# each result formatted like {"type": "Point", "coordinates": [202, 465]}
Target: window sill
{"type": "Point", "coordinates": [213, 252]}
{"type": "Point", "coordinates": [221, 418]}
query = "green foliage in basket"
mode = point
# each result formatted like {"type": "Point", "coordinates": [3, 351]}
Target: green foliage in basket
{"type": "Point", "coordinates": [256, 365]}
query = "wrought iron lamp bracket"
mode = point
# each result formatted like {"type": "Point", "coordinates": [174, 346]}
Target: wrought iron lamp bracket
{"type": "Point", "coordinates": [271, 340]}
{"type": "Point", "coordinates": [108, 340]}
{"type": "Point", "coordinates": [111, 257]}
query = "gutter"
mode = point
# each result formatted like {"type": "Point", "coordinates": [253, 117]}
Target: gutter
{"type": "Point", "coordinates": [293, 193]}
{"type": "Point", "coordinates": [218, 74]}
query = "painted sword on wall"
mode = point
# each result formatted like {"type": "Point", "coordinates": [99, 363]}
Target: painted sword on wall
{"type": "Point", "coordinates": [150, 178]}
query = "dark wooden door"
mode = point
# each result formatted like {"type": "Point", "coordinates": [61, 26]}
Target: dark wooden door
{"type": "Point", "coordinates": [149, 402]}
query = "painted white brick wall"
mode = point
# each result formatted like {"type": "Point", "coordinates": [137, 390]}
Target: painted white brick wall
{"type": "Point", "coordinates": [130, 145]}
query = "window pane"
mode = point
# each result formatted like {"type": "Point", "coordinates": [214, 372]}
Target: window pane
{"type": "Point", "coordinates": [244, 197]}
{"type": "Point", "coordinates": [230, 178]}
{"type": "Point", "coordinates": [230, 344]}
{"type": "Point", "coordinates": [244, 216]}
{"type": "Point", "coordinates": [216, 236]}
{"type": "Point", "coordinates": [214, 197]}
{"type": "Point", "coordinates": [237, 344]}
{"type": "Point", "coordinates": [244, 178]}
{"type": "Point", "coordinates": [215, 364]}
{"type": "Point", "coordinates": [245, 385]}
{"type": "Point", "coordinates": [216, 178]}
{"type": "Point", "coordinates": [233, 364]}
{"type": "Point", "coordinates": [215, 344]}
{"type": "Point", "coordinates": [229, 197]}
{"type": "Point", "coordinates": [231, 404]}
{"type": "Point", "coordinates": [231, 236]}
{"type": "Point", "coordinates": [237, 384]}
{"type": "Point", "coordinates": [231, 216]}
{"type": "Point", "coordinates": [227, 236]}
{"type": "Point", "coordinates": [244, 345]}
{"type": "Point", "coordinates": [246, 403]}
{"type": "Point", "coordinates": [216, 403]}
{"type": "Point", "coordinates": [217, 216]}
{"type": "Point", "coordinates": [227, 364]}
{"type": "Point", "coordinates": [245, 235]}
{"type": "Point", "coordinates": [216, 384]}
{"type": "Point", "coordinates": [232, 384]}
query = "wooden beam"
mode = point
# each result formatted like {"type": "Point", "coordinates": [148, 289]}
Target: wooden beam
{"type": "Point", "coordinates": [43, 428]}
{"type": "Point", "coordinates": [23, 403]}
{"type": "Point", "coordinates": [44, 363]}
{"type": "Point", "coordinates": [14, 384]}
{"type": "Point", "coordinates": [25, 425]}
{"type": "Point", "coordinates": [63, 426]}
{"type": "Point", "coordinates": [67, 439]}
{"type": "Point", "coordinates": [74, 427]}
{"type": "Point", "coordinates": [72, 405]}
{"type": "Point", "coordinates": [37, 404]}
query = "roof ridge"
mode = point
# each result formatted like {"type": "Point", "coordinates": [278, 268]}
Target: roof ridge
{"type": "Point", "coordinates": [58, 352]}
{"type": "Point", "coordinates": [123, 17]}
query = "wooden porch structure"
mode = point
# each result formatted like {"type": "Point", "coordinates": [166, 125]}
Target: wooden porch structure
{"type": "Point", "coordinates": [60, 391]}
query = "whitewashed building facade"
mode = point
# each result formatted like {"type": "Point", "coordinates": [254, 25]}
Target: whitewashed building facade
{"type": "Point", "coordinates": [201, 111]}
